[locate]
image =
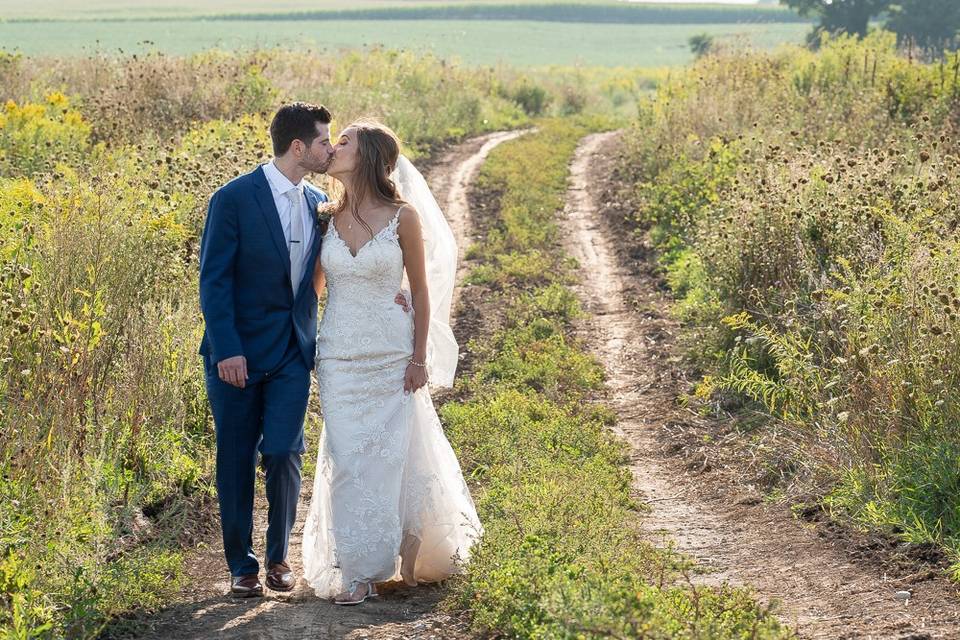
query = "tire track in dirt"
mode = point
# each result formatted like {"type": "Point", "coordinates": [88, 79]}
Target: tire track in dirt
{"type": "Point", "coordinates": [822, 591]}
{"type": "Point", "coordinates": [453, 178]}
{"type": "Point", "coordinates": [205, 611]}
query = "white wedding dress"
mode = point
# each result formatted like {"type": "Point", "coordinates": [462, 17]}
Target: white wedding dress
{"type": "Point", "coordinates": [385, 468]}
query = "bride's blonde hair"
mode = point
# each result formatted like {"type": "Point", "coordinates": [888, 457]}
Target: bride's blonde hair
{"type": "Point", "coordinates": [378, 149]}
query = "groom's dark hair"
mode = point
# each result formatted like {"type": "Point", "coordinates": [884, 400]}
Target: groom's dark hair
{"type": "Point", "coordinates": [296, 121]}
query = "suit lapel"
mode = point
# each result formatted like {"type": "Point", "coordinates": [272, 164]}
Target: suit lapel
{"type": "Point", "coordinates": [313, 199]}
{"type": "Point", "coordinates": [268, 208]}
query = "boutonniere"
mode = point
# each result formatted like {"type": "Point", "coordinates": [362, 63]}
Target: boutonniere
{"type": "Point", "coordinates": [324, 214]}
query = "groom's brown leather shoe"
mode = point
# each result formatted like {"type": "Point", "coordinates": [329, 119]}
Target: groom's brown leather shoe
{"type": "Point", "coordinates": [246, 586]}
{"type": "Point", "coordinates": [280, 577]}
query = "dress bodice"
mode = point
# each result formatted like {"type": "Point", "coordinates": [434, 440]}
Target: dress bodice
{"type": "Point", "coordinates": [361, 314]}
{"type": "Point", "coordinates": [372, 276]}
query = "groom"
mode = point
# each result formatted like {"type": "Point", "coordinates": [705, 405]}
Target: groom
{"type": "Point", "coordinates": [257, 256]}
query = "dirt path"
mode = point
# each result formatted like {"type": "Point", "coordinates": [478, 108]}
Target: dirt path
{"type": "Point", "coordinates": [824, 592]}
{"type": "Point", "coordinates": [453, 177]}
{"type": "Point", "coordinates": [204, 611]}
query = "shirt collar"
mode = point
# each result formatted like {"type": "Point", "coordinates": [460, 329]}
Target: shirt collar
{"type": "Point", "coordinates": [279, 183]}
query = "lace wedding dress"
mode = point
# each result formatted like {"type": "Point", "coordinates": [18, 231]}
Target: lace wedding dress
{"type": "Point", "coordinates": [385, 468]}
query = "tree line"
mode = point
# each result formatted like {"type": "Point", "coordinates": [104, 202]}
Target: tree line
{"type": "Point", "coordinates": [930, 25]}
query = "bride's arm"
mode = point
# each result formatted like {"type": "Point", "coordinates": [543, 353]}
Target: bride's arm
{"type": "Point", "coordinates": [414, 261]}
{"type": "Point", "coordinates": [319, 279]}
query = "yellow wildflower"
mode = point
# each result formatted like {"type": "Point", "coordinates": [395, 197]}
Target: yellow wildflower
{"type": "Point", "coordinates": [32, 111]}
{"type": "Point", "coordinates": [73, 118]}
{"type": "Point", "coordinates": [57, 99]}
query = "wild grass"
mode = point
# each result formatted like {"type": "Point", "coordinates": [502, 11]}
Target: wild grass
{"type": "Point", "coordinates": [562, 555]}
{"type": "Point", "coordinates": [805, 208]}
{"type": "Point", "coordinates": [139, 98]}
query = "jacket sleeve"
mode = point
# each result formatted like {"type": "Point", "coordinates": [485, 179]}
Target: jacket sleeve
{"type": "Point", "coordinates": [218, 251]}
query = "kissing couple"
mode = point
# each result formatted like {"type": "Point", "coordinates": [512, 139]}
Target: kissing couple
{"type": "Point", "coordinates": [389, 500]}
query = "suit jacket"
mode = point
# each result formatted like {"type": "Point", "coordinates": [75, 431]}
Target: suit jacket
{"type": "Point", "coordinates": [246, 297]}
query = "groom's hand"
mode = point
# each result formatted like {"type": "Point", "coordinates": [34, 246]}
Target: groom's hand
{"type": "Point", "coordinates": [402, 301]}
{"type": "Point", "coordinates": [233, 371]}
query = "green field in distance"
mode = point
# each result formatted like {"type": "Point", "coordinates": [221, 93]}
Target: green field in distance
{"type": "Point", "coordinates": [523, 43]}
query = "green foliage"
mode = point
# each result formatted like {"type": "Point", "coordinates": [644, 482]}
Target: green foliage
{"type": "Point", "coordinates": [531, 98]}
{"type": "Point", "coordinates": [932, 25]}
{"type": "Point", "coordinates": [561, 555]}
{"type": "Point", "coordinates": [253, 89]}
{"type": "Point", "coordinates": [505, 268]}
{"type": "Point", "coordinates": [775, 369]}
{"type": "Point", "coordinates": [805, 207]}
{"type": "Point", "coordinates": [700, 44]}
{"type": "Point", "coordinates": [536, 355]}
{"type": "Point", "coordinates": [99, 376]}
{"type": "Point", "coordinates": [34, 136]}
{"type": "Point", "coordinates": [840, 16]}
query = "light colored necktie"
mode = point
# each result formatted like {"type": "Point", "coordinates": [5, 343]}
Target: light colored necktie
{"type": "Point", "coordinates": [296, 238]}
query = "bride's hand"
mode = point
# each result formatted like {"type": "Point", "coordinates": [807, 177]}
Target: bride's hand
{"type": "Point", "coordinates": [414, 378]}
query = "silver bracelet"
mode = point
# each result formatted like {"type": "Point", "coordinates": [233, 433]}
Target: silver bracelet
{"type": "Point", "coordinates": [417, 364]}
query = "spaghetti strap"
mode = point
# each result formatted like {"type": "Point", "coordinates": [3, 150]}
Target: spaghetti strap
{"type": "Point", "coordinates": [395, 220]}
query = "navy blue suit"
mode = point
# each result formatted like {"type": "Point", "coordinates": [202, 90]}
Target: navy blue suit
{"type": "Point", "coordinates": [250, 309]}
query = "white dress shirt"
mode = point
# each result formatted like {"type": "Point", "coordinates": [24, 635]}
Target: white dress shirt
{"type": "Point", "coordinates": [279, 186]}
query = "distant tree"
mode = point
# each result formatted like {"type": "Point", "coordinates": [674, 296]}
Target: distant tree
{"type": "Point", "coordinates": [932, 25]}
{"type": "Point", "coordinates": [840, 16]}
{"type": "Point", "coordinates": [531, 98]}
{"type": "Point", "coordinates": [701, 44]}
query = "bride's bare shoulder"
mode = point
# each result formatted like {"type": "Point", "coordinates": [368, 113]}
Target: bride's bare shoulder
{"type": "Point", "coordinates": [408, 217]}
{"type": "Point", "coordinates": [408, 212]}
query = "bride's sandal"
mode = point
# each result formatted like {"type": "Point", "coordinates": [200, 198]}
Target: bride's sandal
{"type": "Point", "coordinates": [353, 596]}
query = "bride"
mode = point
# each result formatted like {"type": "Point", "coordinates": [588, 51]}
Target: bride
{"type": "Point", "coordinates": [389, 499]}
